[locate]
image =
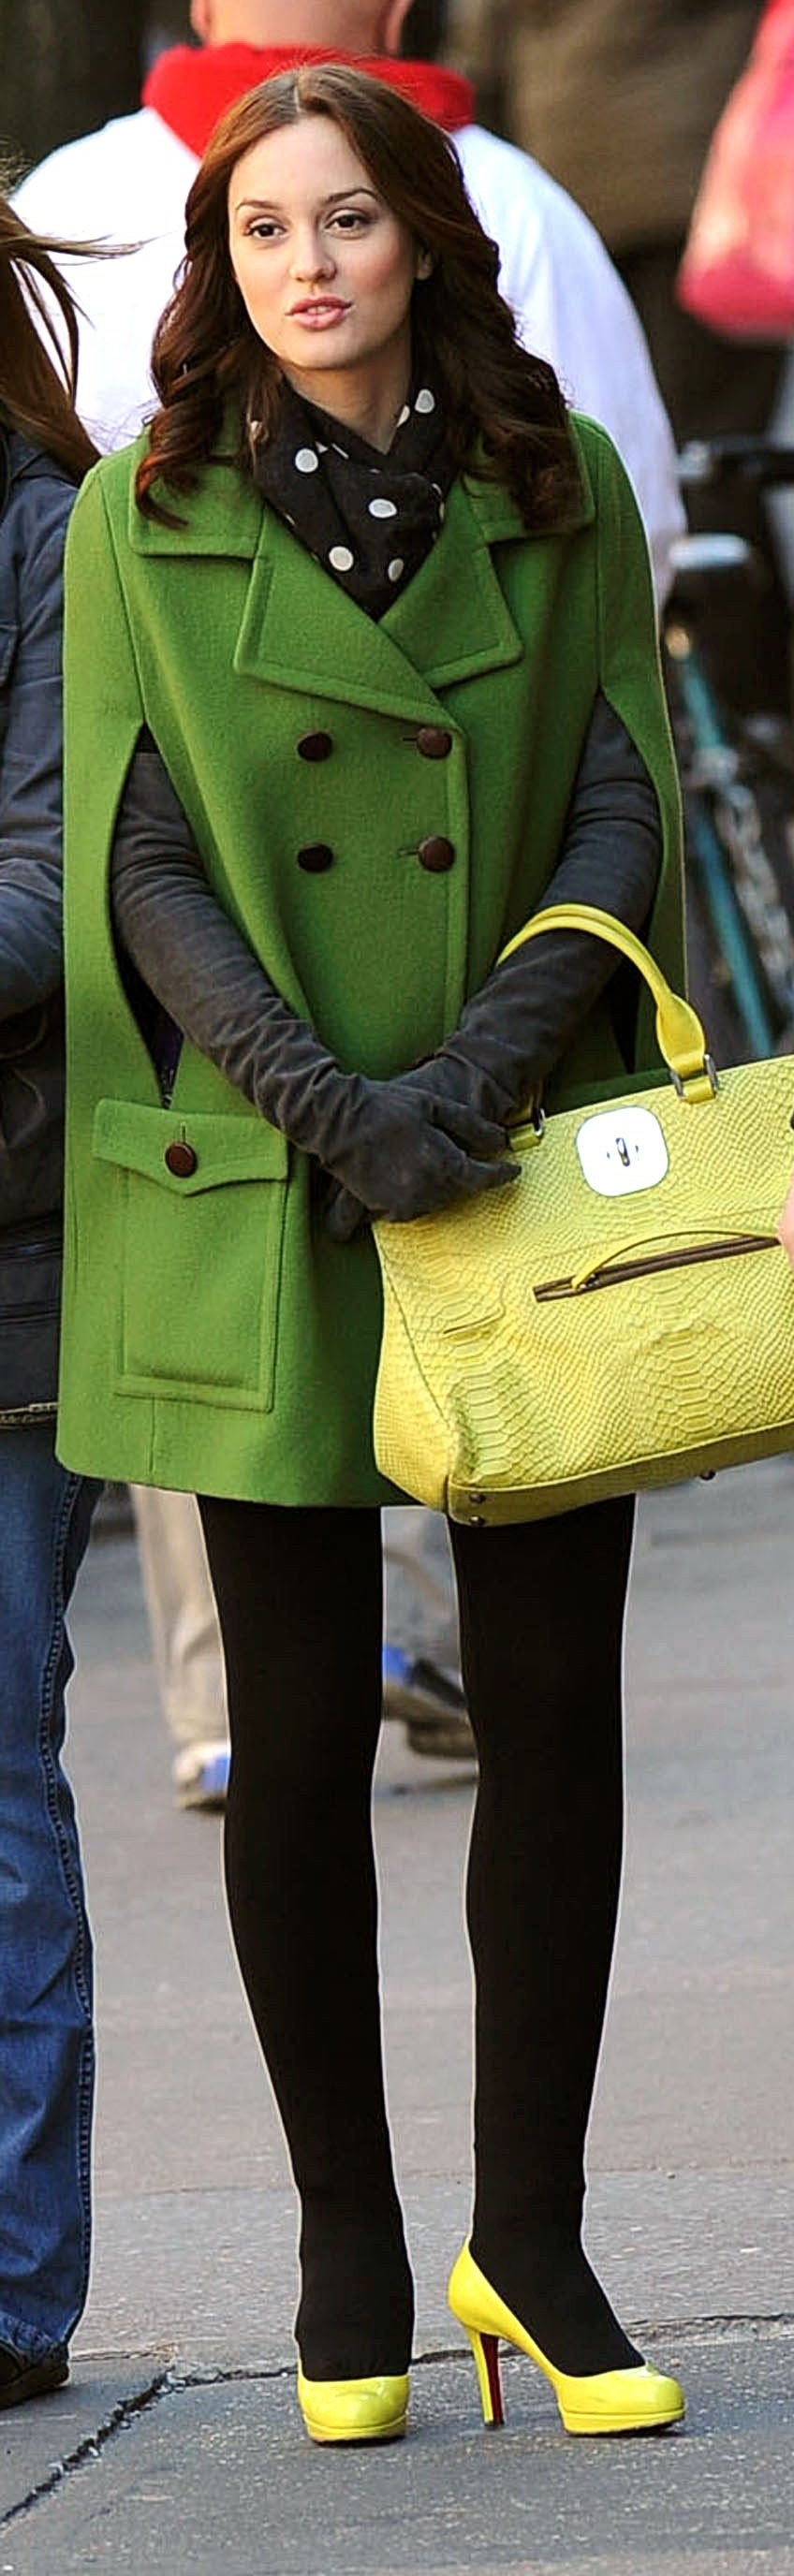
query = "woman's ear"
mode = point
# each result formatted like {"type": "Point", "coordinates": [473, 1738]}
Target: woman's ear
{"type": "Point", "coordinates": [392, 24]}
{"type": "Point", "coordinates": [425, 263]}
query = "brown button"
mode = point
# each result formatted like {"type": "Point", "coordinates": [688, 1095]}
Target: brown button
{"type": "Point", "coordinates": [315, 746]}
{"type": "Point", "coordinates": [315, 858]}
{"type": "Point", "coordinates": [436, 853]}
{"type": "Point", "coordinates": [181, 1160]}
{"type": "Point", "coordinates": [434, 742]}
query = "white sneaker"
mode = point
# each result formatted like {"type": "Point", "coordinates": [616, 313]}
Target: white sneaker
{"type": "Point", "coordinates": [200, 1774]}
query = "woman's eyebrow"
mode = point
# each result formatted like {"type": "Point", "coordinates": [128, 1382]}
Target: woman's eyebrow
{"type": "Point", "coordinates": [340, 197]}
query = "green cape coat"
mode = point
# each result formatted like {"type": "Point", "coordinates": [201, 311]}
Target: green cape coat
{"type": "Point", "coordinates": [213, 1337]}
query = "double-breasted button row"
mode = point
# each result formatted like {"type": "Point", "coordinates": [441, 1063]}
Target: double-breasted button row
{"type": "Point", "coordinates": [433, 741]}
{"type": "Point", "coordinates": [435, 853]}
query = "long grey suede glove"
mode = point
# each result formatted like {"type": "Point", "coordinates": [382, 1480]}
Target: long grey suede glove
{"type": "Point", "coordinates": [395, 1149]}
{"type": "Point", "coordinates": [514, 1030]}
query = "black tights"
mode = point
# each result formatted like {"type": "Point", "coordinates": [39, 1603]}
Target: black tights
{"type": "Point", "coordinates": [541, 1608]}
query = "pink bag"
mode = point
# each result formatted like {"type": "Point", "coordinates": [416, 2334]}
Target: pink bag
{"type": "Point", "coordinates": [737, 273]}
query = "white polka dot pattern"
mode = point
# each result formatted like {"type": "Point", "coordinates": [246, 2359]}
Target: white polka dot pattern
{"type": "Point", "coordinates": [369, 517]}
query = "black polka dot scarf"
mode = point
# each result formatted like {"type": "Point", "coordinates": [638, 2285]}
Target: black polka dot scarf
{"type": "Point", "coordinates": [370, 519]}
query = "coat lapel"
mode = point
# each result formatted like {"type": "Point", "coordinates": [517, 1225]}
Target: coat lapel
{"type": "Point", "coordinates": [301, 631]}
{"type": "Point", "coordinates": [453, 622]}
{"type": "Point", "coordinates": [222, 517]}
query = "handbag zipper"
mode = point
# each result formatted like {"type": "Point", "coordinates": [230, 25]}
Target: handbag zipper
{"type": "Point", "coordinates": [613, 1273]}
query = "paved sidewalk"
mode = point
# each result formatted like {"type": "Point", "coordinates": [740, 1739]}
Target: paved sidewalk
{"type": "Point", "coordinates": [177, 2445]}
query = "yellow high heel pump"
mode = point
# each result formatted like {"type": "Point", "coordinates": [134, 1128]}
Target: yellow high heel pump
{"type": "Point", "coordinates": [353, 2410]}
{"type": "Point", "coordinates": [638, 2400]}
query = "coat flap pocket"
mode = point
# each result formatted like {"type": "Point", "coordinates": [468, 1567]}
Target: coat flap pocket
{"type": "Point", "coordinates": [186, 1152]}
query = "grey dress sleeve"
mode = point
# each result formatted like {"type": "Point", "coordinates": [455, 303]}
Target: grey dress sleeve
{"type": "Point", "coordinates": [186, 950]}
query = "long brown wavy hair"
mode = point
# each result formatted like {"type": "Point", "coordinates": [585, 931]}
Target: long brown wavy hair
{"type": "Point", "coordinates": [505, 414]}
{"type": "Point", "coordinates": [37, 392]}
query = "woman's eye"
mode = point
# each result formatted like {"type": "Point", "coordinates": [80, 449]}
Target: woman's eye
{"type": "Point", "coordinates": [262, 230]}
{"type": "Point", "coordinates": [351, 220]}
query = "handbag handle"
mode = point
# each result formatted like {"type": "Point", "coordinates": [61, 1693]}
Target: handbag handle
{"type": "Point", "coordinates": [681, 1035]}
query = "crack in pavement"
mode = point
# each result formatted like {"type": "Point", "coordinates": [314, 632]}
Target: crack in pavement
{"type": "Point", "coordinates": [171, 2382]}
{"type": "Point", "coordinates": [167, 2383]}
{"type": "Point", "coordinates": [90, 2448]}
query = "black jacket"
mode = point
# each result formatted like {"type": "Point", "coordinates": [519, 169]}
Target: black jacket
{"type": "Point", "coordinates": [36, 497]}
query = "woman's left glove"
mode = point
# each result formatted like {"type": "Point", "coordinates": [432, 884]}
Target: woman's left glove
{"type": "Point", "coordinates": [397, 1151]}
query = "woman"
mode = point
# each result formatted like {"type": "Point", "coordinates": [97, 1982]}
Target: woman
{"type": "Point", "coordinates": [46, 2046]}
{"type": "Point", "coordinates": [374, 669]}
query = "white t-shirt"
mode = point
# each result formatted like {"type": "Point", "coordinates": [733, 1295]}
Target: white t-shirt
{"type": "Point", "coordinates": [128, 183]}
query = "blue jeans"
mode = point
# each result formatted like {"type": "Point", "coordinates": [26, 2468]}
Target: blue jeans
{"type": "Point", "coordinates": [46, 1995]}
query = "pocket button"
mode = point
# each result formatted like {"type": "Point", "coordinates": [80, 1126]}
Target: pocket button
{"type": "Point", "coordinates": [182, 1160]}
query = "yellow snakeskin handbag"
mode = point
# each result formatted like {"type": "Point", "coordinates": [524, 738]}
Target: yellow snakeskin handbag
{"type": "Point", "coordinates": [623, 1315]}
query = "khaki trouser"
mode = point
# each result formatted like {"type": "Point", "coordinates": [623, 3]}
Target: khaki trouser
{"type": "Point", "coordinates": [181, 1604]}
{"type": "Point", "coordinates": [421, 1603]}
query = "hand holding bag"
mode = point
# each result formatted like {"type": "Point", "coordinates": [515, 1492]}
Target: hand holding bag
{"type": "Point", "coordinates": [737, 273]}
{"type": "Point", "coordinates": [623, 1316]}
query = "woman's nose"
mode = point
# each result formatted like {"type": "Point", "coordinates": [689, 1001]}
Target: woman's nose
{"type": "Point", "coordinates": [312, 256]}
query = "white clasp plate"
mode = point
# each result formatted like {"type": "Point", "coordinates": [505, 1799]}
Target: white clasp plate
{"type": "Point", "coordinates": [621, 1150]}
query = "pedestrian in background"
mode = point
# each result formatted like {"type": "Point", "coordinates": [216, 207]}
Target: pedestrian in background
{"type": "Point", "coordinates": [131, 179]}
{"type": "Point", "coordinates": [620, 104]}
{"type": "Point", "coordinates": [46, 2028]}
{"type": "Point", "coordinates": [327, 649]}
{"type": "Point", "coordinates": [186, 1645]}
